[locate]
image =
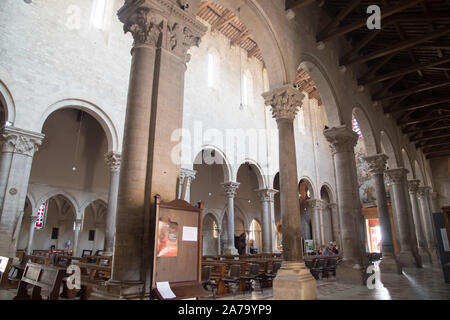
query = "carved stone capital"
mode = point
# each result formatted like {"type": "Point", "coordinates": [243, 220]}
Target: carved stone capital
{"type": "Point", "coordinates": [423, 192]}
{"type": "Point", "coordinates": [413, 185]}
{"type": "Point", "coordinates": [187, 174]}
{"type": "Point", "coordinates": [113, 160]}
{"type": "Point", "coordinates": [20, 141]}
{"type": "Point", "coordinates": [332, 207]}
{"type": "Point", "coordinates": [341, 139]}
{"type": "Point", "coordinates": [376, 163]}
{"type": "Point", "coordinates": [316, 204]}
{"type": "Point", "coordinates": [266, 195]}
{"type": "Point", "coordinates": [285, 102]}
{"type": "Point", "coordinates": [161, 24]}
{"type": "Point", "coordinates": [396, 176]}
{"type": "Point", "coordinates": [230, 188]}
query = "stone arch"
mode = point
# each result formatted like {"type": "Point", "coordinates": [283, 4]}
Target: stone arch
{"type": "Point", "coordinates": [326, 186]}
{"type": "Point", "coordinates": [7, 101]}
{"type": "Point", "coordinates": [209, 243]}
{"type": "Point", "coordinates": [310, 185]}
{"type": "Point", "coordinates": [262, 183]}
{"type": "Point", "coordinates": [88, 202]}
{"type": "Point", "coordinates": [226, 166]}
{"type": "Point", "coordinates": [388, 149]}
{"type": "Point", "coordinates": [32, 200]}
{"type": "Point", "coordinates": [68, 197]}
{"type": "Point", "coordinates": [407, 165]}
{"type": "Point", "coordinates": [419, 173]}
{"type": "Point", "coordinates": [326, 90]}
{"type": "Point", "coordinates": [253, 16]}
{"type": "Point", "coordinates": [366, 130]}
{"type": "Point", "coordinates": [95, 111]}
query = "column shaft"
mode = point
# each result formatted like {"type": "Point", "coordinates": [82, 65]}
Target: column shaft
{"type": "Point", "coordinates": [113, 160]}
{"type": "Point", "coordinates": [31, 234]}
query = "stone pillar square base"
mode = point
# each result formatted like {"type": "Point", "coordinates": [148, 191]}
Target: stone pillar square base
{"type": "Point", "coordinates": [349, 272]}
{"type": "Point", "coordinates": [118, 290]}
{"type": "Point", "coordinates": [407, 259]}
{"type": "Point", "coordinates": [389, 264]}
{"type": "Point", "coordinates": [294, 282]}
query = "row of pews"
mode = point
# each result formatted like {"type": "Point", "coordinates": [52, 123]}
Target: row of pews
{"type": "Point", "coordinates": [47, 270]}
{"type": "Point", "coordinates": [232, 274]}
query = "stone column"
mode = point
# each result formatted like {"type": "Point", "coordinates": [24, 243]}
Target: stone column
{"type": "Point", "coordinates": [430, 217]}
{"type": "Point", "coordinates": [18, 148]}
{"type": "Point", "coordinates": [407, 246]}
{"type": "Point", "coordinates": [113, 161]}
{"type": "Point", "coordinates": [424, 253]}
{"type": "Point", "coordinates": [162, 34]}
{"type": "Point", "coordinates": [61, 230]}
{"type": "Point", "coordinates": [335, 224]}
{"type": "Point", "coordinates": [435, 203]}
{"type": "Point", "coordinates": [422, 195]}
{"type": "Point", "coordinates": [273, 232]}
{"type": "Point", "coordinates": [230, 191]}
{"type": "Point", "coordinates": [377, 167]}
{"type": "Point", "coordinates": [31, 234]}
{"type": "Point", "coordinates": [342, 141]}
{"type": "Point", "coordinates": [327, 224]}
{"type": "Point", "coordinates": [266, 196]}
{"type": "Point", "coordinates": [76, 235]}
{"type": "Point", "coordinates": [317, 222]}
{"type": "Point", "coordinates": [186, 178]}
{"type": "Point", "coordinates": [294, 281]}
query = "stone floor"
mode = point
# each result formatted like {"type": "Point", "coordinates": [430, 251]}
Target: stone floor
{"type": "Point", "coordinates": [415, 284]}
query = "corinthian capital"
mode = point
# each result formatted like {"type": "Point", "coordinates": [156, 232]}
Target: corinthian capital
{"type": "Point", "coordinates": [413, 185]}
{"type": "Point", "coordinates": [316, 204]}
{"type": "Point", "coordinates": [113, 160]}
{"type": "Point", "coordinates": [285, 102]}
{"type": "Point", "coordinates": [376, 163]}
{"type": "Point", "coordinates": [230, 188]}
{"type": "Point", "coordinates": [422, 192]}
{"type": "Point", "coordinates": [187, 173]}
{"type": "Point", "coordinates": [341, 139]}
{"type": "Point", "coordinates": [266, 195]}
{"type": "Point", "coordinates": [396, 176]}
{"type": "Point", "coordinates": [20, 141]}
{"type": "Point", "coordinates": [142, 22]}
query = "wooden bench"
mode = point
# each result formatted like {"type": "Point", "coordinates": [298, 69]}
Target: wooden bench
{"type": "Point", "coordinates": [40, 277]}
{"type": "Point", "coordinates": [217, 273]}
{"type": "Point", "coordinates": [92, 275]}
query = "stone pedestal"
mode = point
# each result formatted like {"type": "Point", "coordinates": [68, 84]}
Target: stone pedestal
{"type": "Point", "coordinates": [377, 167]}
{"type": "Point", "coordinates": [113, 161]}
{"type": "Point", "coordinates": [294, 282]}
{"type": "Point", "coordinates": [18, 148]}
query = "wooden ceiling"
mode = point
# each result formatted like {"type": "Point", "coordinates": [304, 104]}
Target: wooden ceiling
{"type": "Point", "coordinates": [225, 21]}
{"type": "Point", "coordinates": [408, 61]}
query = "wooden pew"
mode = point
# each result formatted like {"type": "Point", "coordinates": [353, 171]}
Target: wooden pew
{"type": "Point", "coordinates": [92, 275]}
{"type": "Point", "coordinates": [40, 277]}
{"type": "Point", "coordinates": [217, 273]}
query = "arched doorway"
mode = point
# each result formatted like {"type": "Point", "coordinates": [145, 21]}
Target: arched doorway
{"type": "Point", "coordinates": [255, 237]}
{"type": "Point", "coordinates": [92, 233]}
{"type": "Point", "coordinates": [210, 232]}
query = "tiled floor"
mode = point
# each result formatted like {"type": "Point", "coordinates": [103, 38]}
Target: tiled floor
{"type": "Point", "coordinates": [415, 284]}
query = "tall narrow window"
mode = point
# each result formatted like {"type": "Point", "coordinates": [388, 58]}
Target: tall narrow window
{"type": "Point", "coordinates": [211, 63]}
{"type": "Point", "coordinates": [40, 219]}
{"type": "Point", "coordinates": [99, 13]}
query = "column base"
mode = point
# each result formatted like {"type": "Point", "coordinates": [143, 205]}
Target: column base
{"type": "Point", "coordinates": [425, 255]}
{"type": "Point", "coordinates": [231, 251]}
{"type": "Point", "coordinates": [118, 290]}
{"type": "Point", "coordinates": [407, 259]}
{"type": "Point", "coordinates": [350, 272]}
{"type": "Point", "coordinates": [389, 264]}
{"type": "Point", "coordinates": [434, 256]}
{"type": "Point", "coordinates": [294, 282]}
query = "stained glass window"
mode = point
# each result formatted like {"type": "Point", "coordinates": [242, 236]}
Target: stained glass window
{"type": "Point", "coordinates": [41, 216]}
{"type": "Point", "coordinates": [355, 126]}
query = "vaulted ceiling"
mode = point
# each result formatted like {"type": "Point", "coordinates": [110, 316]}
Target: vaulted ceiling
{"type": "Point", "coordinates": [407, 60]}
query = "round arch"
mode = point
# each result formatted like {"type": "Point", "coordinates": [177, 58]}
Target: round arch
{"type": "Point", "coordinates": [327, 187]}
{"type": "Point", "coordinates": [407, 165]}
{"type": "Point", "coordinates": [327, 93]}
{"type": "Point", "coordinates": [310, 185]}
{"type": "Point", "coordinates": [69, 197]}
{"type": "Point", "coordinates": [388, 149]}
{"type": "Point", "coordinates": [419, 173]}
{"type": "Point", "coordinates": [88, 202]}
{"type": "Point", "coordinates": [366, 130]}
{"type": "Point", "coordinates": [262, 183]}
{"type": "Point", "coordinates": [95, 111]}
{"type": "Point", "coordinates": [7, 101]}
{"type": "Point", "coordinates": [227, 170]}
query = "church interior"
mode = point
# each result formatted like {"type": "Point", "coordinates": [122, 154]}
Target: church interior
{"type": "Point", "coordinates": [225, 149]}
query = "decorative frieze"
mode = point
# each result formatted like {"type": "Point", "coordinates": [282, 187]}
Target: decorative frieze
{"type": "Point", "coordinates": [285, 102]}
{"type": "Point", "coordinates": [230, 188]}
{"type": "Point", "coordinates": [113, 160]}
{"type": "Point", "coordinates": [20, 141]}
{"type": "Point", "coordinates": [341, 139]}
{"type": "Point", "coordinates": [376, 163]}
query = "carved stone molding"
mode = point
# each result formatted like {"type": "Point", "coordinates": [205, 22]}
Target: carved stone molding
{"type": "Point", "coordinates": [413, 185]}
{"type": "Point", "coordinates": [113, 160]}
{"type": "Point", "coordinates": [230, 188]}
{"type": "Point", "coordinates": [187, 173]}
{"type": "Point", "coordinates": [266, 195]}
{"type": "Point", "coordinates": [20, 141]}
{"type": "Point", "coordinates": [341, 139]}
{"type": "Point", "coordinates": [285, 102]}
{"type": "Point", "coordinates": [396, 176]}
{"type": "Point", "coordinates": [161, 24]}
{"type": "Point", "coordinates": [376, 163]}
{"type": "Point", "coordinates": [423, 192]}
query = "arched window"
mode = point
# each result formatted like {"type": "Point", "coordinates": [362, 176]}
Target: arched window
{"type": "Point", "coordinates": [98, 13]}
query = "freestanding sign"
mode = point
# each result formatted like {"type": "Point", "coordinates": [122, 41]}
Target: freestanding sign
{"type": "Point", "coordinates": [441, 231]}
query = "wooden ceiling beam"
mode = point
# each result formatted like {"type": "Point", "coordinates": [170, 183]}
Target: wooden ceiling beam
{"type": "Point", "coordinates": [362, 22]}
{"type": "Point", "coordinates": [445, 146]}
{"type": "Point", "coordinates": [431, 144]}
{"type": "Point", "coordinates": [226, 18]}
{"type": "Point", "coordinates": [242, 37]}
{"type": "Point", "coordinates": [339, 17]}
{"type": "Point", "coordinates": [420, 105]}
{"type": "Point", "coordinates": [419, 88]}
{"type": "Point", "coordinates": [295, 5]}
{"type": "Point", "coordinates": [427, 129]}
{"type": "Point", "coordinates": [404, 71]}
{"type": "Point", "coordinates": [430, 137]}
{"type": "Point", "coordinates": [421, 120]}
{"type": "Point", "coordinates": [396, 48]}
{"type": "Point", "coordinates": [438, 156]}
